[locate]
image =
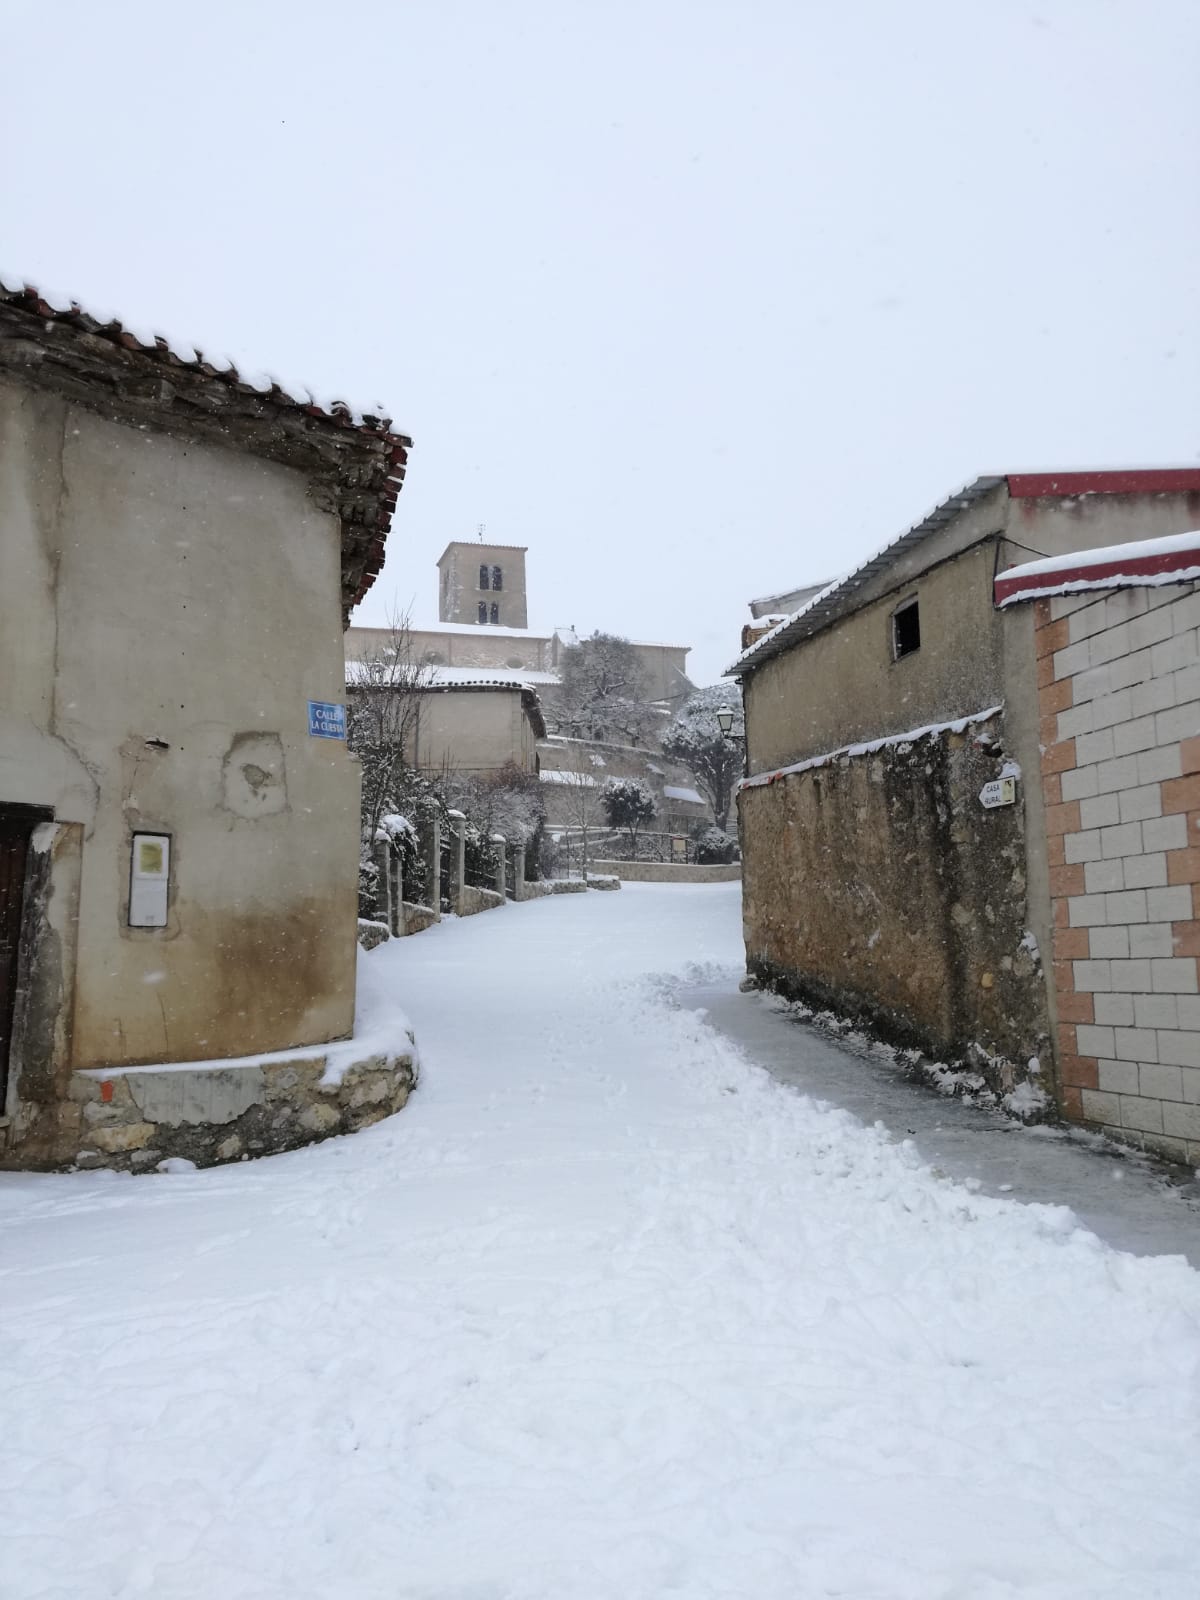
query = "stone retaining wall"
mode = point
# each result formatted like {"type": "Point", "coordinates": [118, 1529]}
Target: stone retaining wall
{"type": "Point", "coordinates": [134, 1117]}
{"type": "Point", "coordinates": [668, 872]}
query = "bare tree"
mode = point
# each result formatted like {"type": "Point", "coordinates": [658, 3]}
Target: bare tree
{"type": "Point", "coordinates": [385, 690]}
{"type": "Point", "coordinates": [581, 797]}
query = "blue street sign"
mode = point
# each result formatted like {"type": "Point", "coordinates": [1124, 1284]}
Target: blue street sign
{"type": "Point", "coordinates": [326, 720]}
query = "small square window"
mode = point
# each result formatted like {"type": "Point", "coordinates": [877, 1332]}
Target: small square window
{"type": "Point", "coordinates": [906, 629]}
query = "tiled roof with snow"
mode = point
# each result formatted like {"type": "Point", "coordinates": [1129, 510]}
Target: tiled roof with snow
{"type": "Point", "coordinates": [675, 792]}
{"type": "Point", "coordinates": [575, 780]}
{"type": "Point", "coordinates": [1148, 562]}
{"type": "Point", "coordinates": [140, 376]}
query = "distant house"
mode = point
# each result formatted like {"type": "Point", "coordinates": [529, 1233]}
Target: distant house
{"type": "Point", "coordinates": [914, 845]}
{"type": "Point", "coordinates": [180, 548]}
{"type": "Point", "coordinates": [473, 667]}
{"type": "Point", "coordinates": [466, 721]}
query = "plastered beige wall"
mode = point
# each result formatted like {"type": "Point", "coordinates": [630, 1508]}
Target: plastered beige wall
{"type": "Point", "coordinates": [843, 684]}
{"type": "Point", "coordinates": [153, 589]}
{"type": "Point", "coordinates": [474, 730]}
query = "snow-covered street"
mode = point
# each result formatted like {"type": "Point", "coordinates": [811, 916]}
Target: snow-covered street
{"type": "Point", "coordinates": [605, 1312]}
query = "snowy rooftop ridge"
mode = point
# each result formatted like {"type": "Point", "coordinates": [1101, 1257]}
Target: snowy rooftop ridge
{"type": "Point", "coordinates": [58, 307]}
{"type": "Point", "coordinates": [825, 607]}
{"type": "Point", "coordinates": [140, 376]}
{"type": "Point", "coordinates": [870, 746]}
{"type": "Point", "coordinates": [1148, 562]}
{"type": "Point", "coordinates": [822, 604]}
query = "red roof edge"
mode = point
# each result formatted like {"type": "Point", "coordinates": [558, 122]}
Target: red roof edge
{"type": "Point", "coordinates": [1095, 574]}
{"type": "Point", "coordinates": [1137, 480]}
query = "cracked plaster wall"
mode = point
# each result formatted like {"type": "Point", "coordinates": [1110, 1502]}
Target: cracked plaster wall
{"type": "Point", "coordinates": [166, 610]}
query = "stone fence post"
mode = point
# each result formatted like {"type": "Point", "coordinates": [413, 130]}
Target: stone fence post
{"type": "Point", "coordinates": [500, 851]}
{"type": "Point", "coordinates": [458, 858]}
{"type": "Point", "coordinates": [395, 892]}
{"type": "Point", "coordinates": [380, 851]}
{"type": "Point", "coordinates": [518, 872]}
{"type": "Point", "coordinates": [431, 851]}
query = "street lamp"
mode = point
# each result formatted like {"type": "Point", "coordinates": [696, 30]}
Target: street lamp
{"type": "Point", "coordinates": [725, 721]}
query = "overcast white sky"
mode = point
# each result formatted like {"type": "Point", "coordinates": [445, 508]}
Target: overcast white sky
{"type": "Point", "coordinates": [695, 300]}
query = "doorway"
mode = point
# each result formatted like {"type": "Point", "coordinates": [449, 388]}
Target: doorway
{"type": "Point", "coordinates": [16, 828]}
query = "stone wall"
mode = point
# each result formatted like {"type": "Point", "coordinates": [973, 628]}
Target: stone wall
{"type": "Point", "coordinates": [1119, 690]}
{"type": "Point", "coordinates": [667, 871]}
{"type": "Point", "coordinates": [878, 885]}
{"type": "Point", "coordinates": [132, 1119]}
{"type": "Point", "coordinates": [471, 901]}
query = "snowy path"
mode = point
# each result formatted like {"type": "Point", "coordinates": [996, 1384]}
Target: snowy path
{"type": "Point", "coordinates": [1117, 1193]}
{"type": "Point", "coordinates": [604, 1313]}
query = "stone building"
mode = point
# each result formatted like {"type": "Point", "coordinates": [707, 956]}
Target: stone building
{"type": "Point", "coordinates": [179, 552]}
{"type": "Point", "coordinates": [486, 626]}
{"type": "Point", "coordinates": [483, 584]}
{"type": "Point", "coordinates": [899, 862]}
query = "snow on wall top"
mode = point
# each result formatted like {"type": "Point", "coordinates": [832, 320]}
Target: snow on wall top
{"type": "Point", "coordinates": [869, 747]}
{"type": "Point", "coordinates": [674, 792]}
{"type": "Point", "coordinates": [1174, 559]}
{"type": "Point", "coordinates": [138, 374]}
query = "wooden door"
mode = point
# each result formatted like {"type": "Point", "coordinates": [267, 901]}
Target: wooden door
{"type": "Point", "coordinates": [15, 830]}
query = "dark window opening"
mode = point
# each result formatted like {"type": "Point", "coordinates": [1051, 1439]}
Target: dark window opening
{"type": "Point", "coordinates": [483, 611]}
{"type": "Point", "coordinates": [906, 629]}
{"type": "Point", "coordinates": [495, 613]}
{"type": "Point", "coordinates": [483, 575]}
{"type": "Point", "coordinates": [497, 579]}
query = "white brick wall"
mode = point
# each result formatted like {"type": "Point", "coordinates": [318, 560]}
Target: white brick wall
{"type": "Point", "coordinates": [1121, 759]}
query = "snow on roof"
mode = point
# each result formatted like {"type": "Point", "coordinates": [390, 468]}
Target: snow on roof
{"type": "Point", "coordinates": [140, 374]}
{"type": "Point", "coordinates": [673, 792]}
{"type": "Point", "coordinates": [498, 677]}
{"type": "Point", "coordinates": [577, 780]}
{"type": "Point", "coordinates": [836, 599]}
{"type": "Point", "coordinates": [820, 608]}
{"type": "Point", "coordinates": [1146, 563]}
{"type": "Point", "coordinates": [458, 677]}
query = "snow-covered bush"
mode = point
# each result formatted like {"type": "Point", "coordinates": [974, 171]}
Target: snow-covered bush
{"type": "Point", "coordinates": [715, 848]}
{"type": "Point", "coordinates": [627, 804]}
